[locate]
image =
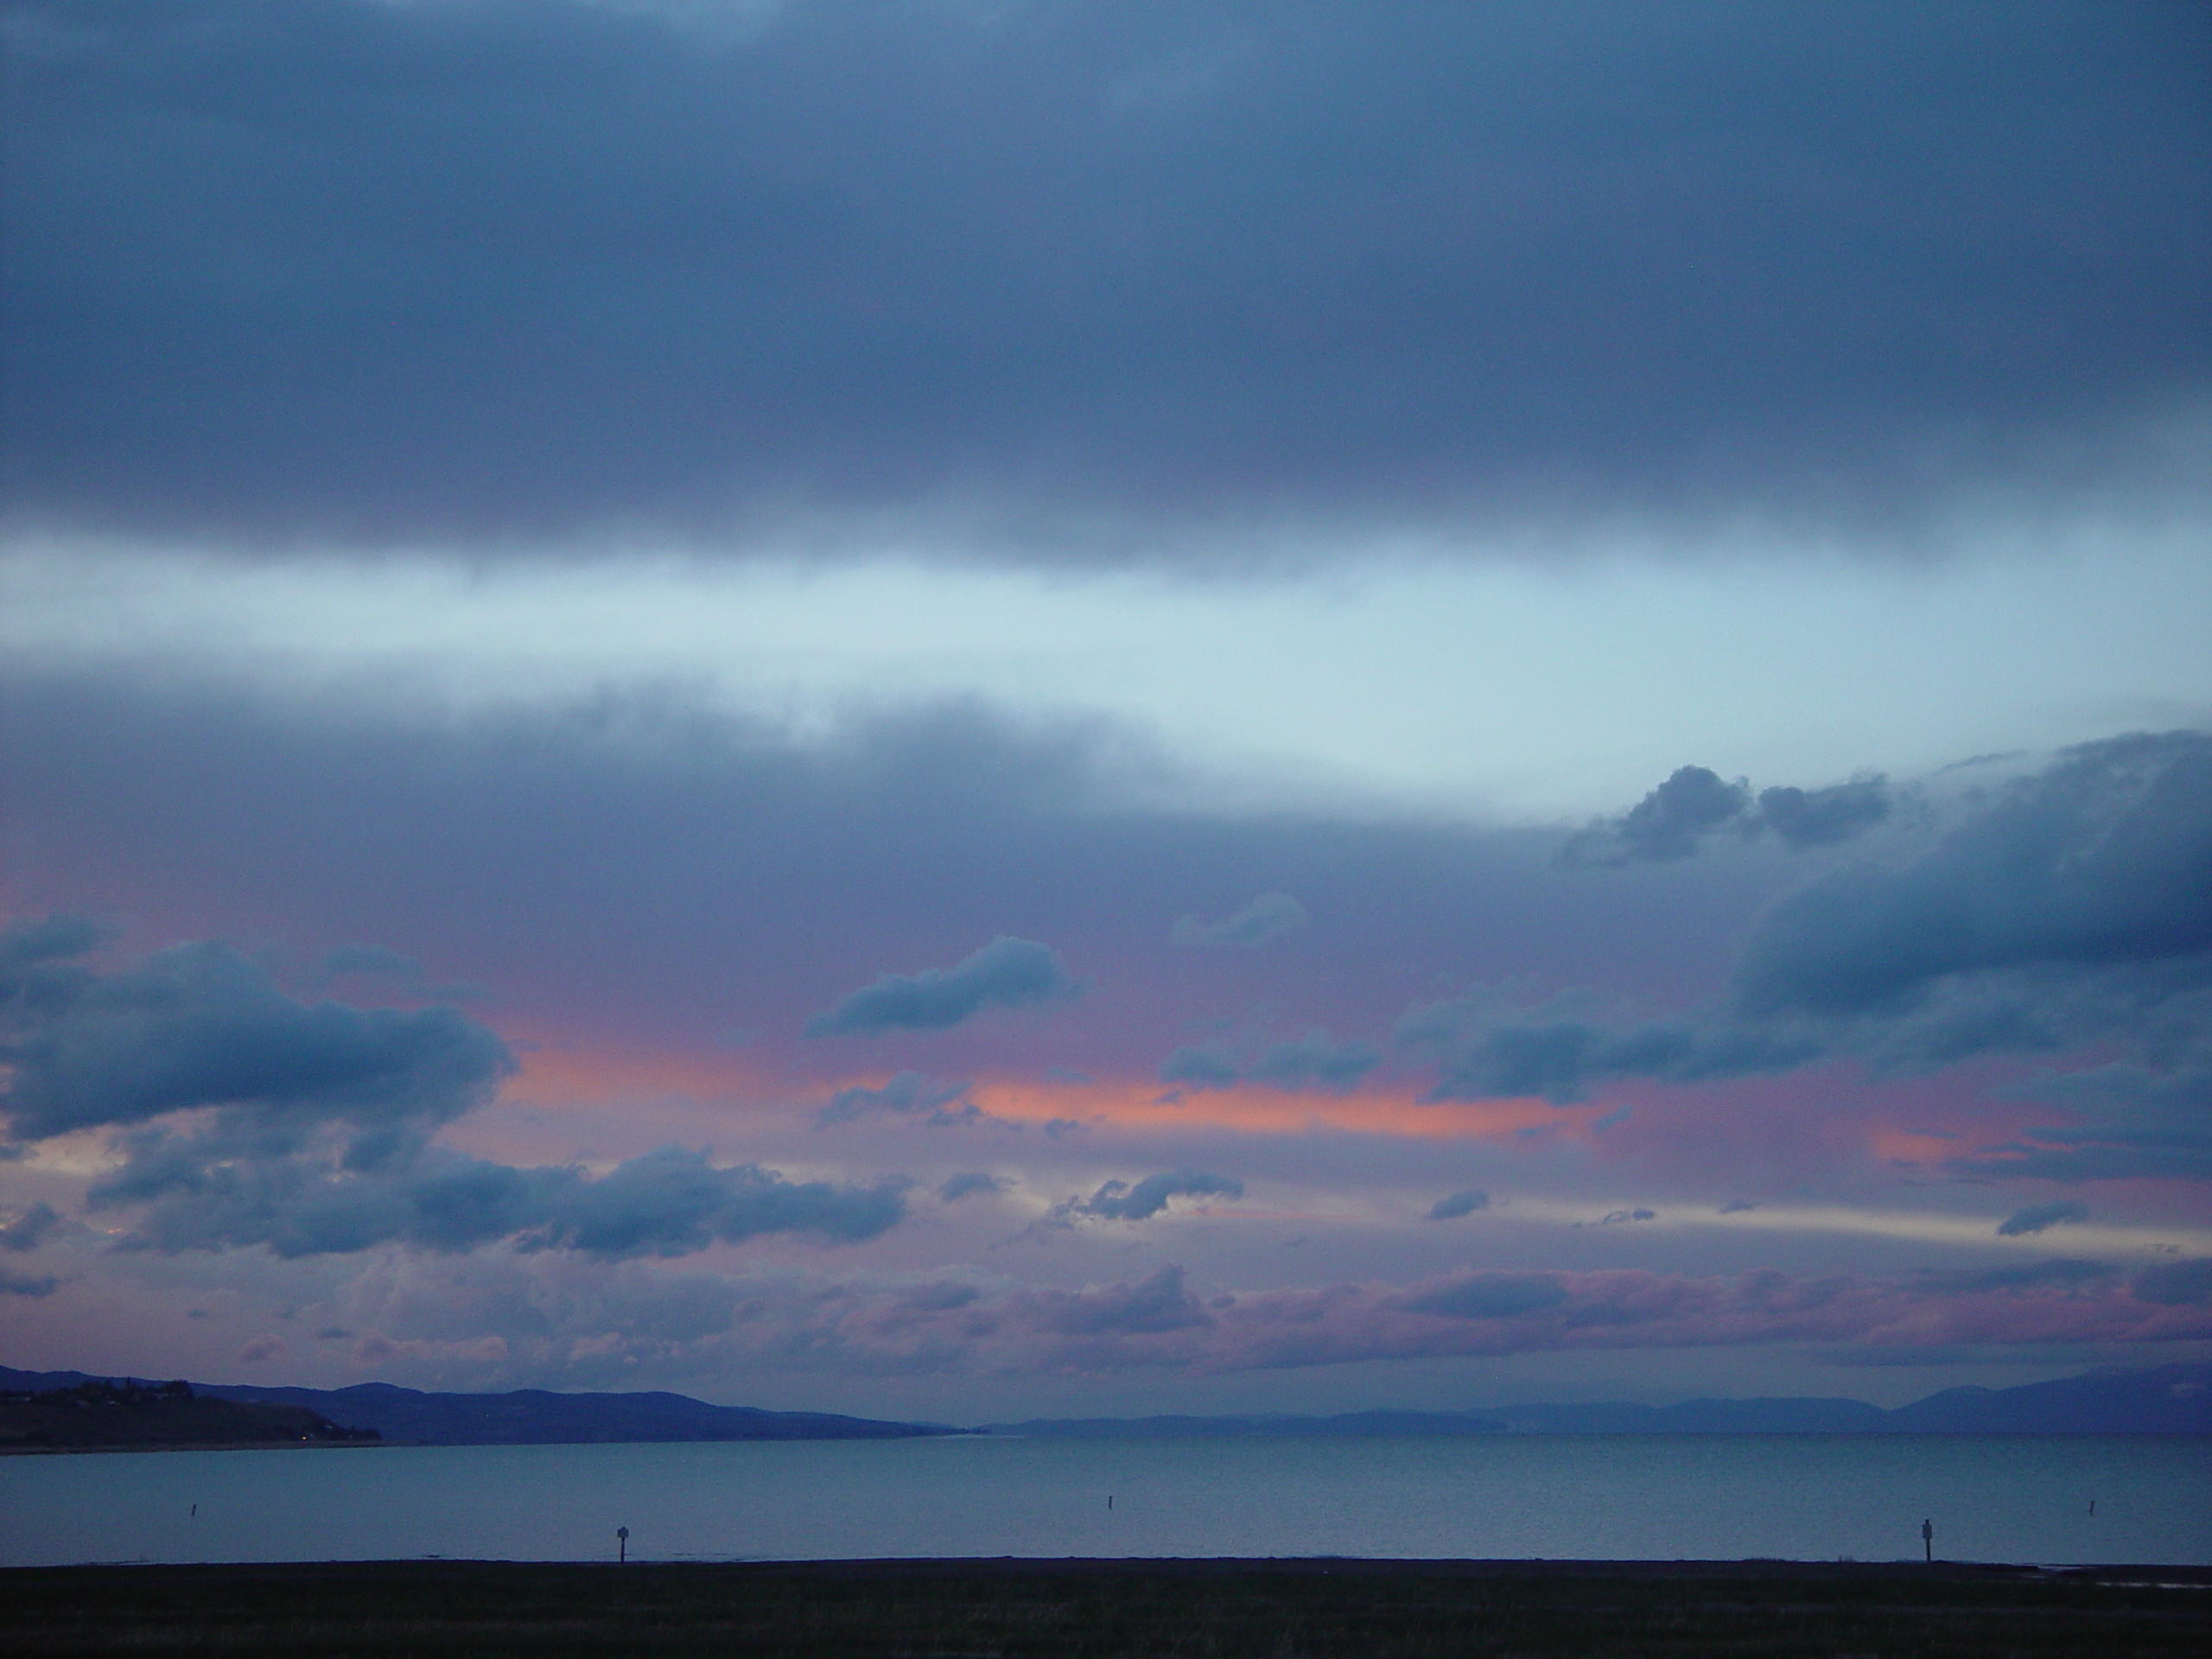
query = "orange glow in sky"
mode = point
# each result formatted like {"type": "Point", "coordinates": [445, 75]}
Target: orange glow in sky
{"type": "Point", "coordinates": [1254, 1109]}
{"type": "Point", "coordinates": [560, 1077]}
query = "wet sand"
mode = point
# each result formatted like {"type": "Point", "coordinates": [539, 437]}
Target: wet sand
{"type": "Point", "coordinates": [1106, 1608]}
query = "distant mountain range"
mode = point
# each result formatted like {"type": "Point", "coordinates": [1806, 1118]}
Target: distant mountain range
{"type": "Point", "coordinates": [2165, 1400]}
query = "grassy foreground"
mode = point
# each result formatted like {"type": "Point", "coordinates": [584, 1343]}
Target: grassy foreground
{"type": "Point", "coordinates": [1079, 1610]}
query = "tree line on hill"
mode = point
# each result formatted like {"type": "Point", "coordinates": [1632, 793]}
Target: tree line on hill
{"type": "Point", "coordinates": [100, 1415]}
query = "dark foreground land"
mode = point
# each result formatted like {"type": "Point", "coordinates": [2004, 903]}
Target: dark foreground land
{"type": "Point", "coordinates": [1093, 1609]}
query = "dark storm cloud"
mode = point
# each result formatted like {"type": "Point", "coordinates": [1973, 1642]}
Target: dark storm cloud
{"type": "Point", "coordinates": [1458, 1205]}
{"type": "Point", "coordinates": [200, 1025]}
{"type": "Point", "coordinates": [1007, 973]}
{"type": "Point", "coordinates": [1267, 918]}
{"type": "Point", "coordinates": [1119, 1201]}
{"type": "Point", "coordinates": [1079, 277]}
{"type": "Point", "coordinates": [2042, 1217]}
{"type": "Point", "coordinates": [1671, 823]}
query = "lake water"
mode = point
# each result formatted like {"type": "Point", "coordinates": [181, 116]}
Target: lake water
{"type": "Point", "coordinates": [1805, 1497]}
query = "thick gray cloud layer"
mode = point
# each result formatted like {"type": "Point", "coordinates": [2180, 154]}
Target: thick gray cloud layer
{"type": "Point", "coordinates": [347, 269]}
{"type": "Point", "coordinates": [1006, 973]}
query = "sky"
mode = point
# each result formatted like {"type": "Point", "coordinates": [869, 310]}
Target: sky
{"type": "Point", "coordinates": [985, 708]}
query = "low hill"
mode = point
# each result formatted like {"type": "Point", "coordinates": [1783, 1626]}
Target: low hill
{"type": "Point", "coordinates": [2169, 1399]}
{"type": "Point", "coordinates": [531, 1417]}
{"type": "Point", "coordinates": [95, 1415]}
{"type": "Point", "coordinates": [536, 1416]}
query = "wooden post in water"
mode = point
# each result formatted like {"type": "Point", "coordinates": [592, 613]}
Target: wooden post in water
{"type": "Point", "coordinates": [621, 1544]}
{"type": "Point", "coordinates": [1927, 1540]}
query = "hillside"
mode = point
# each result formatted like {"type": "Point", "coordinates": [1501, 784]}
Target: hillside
{"type": "Point", "coordinates": [93, 1416]}
{"type": "Point", "coordinates": [531, 1417]}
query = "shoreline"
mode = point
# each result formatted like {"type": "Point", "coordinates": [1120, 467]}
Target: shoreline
{"type": "Point", "coordinates": [1092, 1608]}
{"type": "Point", "coordinates": [197, 1445]}
{"type": "Point", "coordinates": [893, 1568]}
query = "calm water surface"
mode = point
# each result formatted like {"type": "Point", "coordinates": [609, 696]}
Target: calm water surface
{"type": "Point", "coordinates": [1807, 1497]}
